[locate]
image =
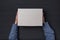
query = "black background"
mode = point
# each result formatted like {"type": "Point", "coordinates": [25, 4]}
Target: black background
{"type": "Point", "coordinates": [8, 11]}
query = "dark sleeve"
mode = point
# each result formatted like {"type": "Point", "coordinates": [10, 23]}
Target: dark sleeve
{"type": "Point", "coordinates": [13, 32]}
{"type": "Point", "coordinates": [48, 31]}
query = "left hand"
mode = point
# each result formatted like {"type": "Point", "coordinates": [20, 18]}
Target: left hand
{"type": "Point", "coordinates": [16, 19]}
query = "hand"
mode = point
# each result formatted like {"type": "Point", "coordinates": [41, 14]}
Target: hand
{"type": "Point", "coordinates": [16, 19]}
{"type": "Point", "coordinates": [43, 19]}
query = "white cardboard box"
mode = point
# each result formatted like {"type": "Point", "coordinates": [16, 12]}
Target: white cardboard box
{"type": "Point", "coordinates": [30, 17]}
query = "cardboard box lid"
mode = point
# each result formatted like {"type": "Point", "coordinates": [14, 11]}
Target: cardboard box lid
{"type": "Point", "coordinates": [30, 17]}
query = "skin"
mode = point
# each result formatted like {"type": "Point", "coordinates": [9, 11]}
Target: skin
{"type": "Point", "coordinates": [16, 19]}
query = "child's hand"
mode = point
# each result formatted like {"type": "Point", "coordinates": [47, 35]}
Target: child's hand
{"type": "Point", "coordinates": [43, 19]}
{"type": "Point", "coordinates": [16, 19]}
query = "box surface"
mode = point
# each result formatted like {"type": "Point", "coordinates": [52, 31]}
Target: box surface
{"type": "Point", "coordinates": [30, 17]}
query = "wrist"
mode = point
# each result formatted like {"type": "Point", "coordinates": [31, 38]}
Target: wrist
{"type": "Point", "coordinates": [15, 23]}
